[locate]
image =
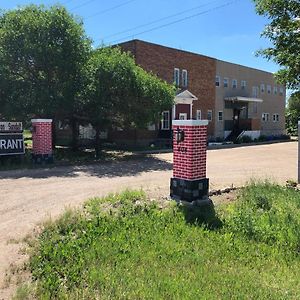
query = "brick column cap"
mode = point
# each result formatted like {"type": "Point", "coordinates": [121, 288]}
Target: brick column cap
{"type": "Point", "coordinates": [41, 120]}
{"type": "Point", "coordinates": [190, 122]}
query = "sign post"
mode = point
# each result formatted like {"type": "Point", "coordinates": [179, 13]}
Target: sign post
{"type": "Point", "coordinates": [11, 138]}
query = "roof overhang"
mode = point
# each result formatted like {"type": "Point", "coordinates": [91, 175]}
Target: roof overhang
{"type": "Point", "coordinates": [185, 97]}
{"type": "Point", "coordinates": [243, 99]}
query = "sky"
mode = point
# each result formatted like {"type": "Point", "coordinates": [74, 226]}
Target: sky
{"type": "Point", "coordinates": [228, 30]}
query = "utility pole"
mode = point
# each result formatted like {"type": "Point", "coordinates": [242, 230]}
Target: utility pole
{"type": "Point", "coordinates": [299, 152]}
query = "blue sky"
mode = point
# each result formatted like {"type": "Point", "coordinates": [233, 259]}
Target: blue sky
{"type": "Point", "coordinates": [222, 29]}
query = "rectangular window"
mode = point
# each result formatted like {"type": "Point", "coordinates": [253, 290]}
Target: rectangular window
{"type": "Point", "coordinates": [255, 91]}
{"type": "Point", "coordinates": [165, 122]}
{"type": "Point", "coordinates": [281, 91]}
{"type": "Point", "coordinates": [176, 76]}
{"type": "Point", "coordinates": [262, 88]}
{"type": "Point", "coordinates": [225, 82]}
{"type": "Point", "coordinates": [269, 89]}
{"type": "Point", "coordinates": [209, 115]}
{"type": "Point", "coordinates": [220, 116]}
{"type": "Point", "coordinates": [184, 78]}
{"type": "Point", "coordinates": [265, 117]}
{"type": "Point", "coordinates": [275, 117]}
{"type": "Point", "coordinates": [218, 80]}
{"type": "Point", "coordinates": [198, 114]}
{"type": "Point", "coordinates": [243, 84]}
{"type": "Point", "coordinates": [275, 90]}
{"type": "Point", "coordinates": [234, 83]}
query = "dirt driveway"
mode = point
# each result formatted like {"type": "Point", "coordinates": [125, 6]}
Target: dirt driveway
{"type": "Point", "coordinates": [29, 196]}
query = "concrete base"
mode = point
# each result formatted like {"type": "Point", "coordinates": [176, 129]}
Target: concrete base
{"type": "Point", "coordinates": [189, 190]}
{"type": "Point", "coordinates": [42, 158]}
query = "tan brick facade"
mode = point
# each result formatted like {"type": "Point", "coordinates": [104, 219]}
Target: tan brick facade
{"type": "Point", "coordinates": [202, 72]}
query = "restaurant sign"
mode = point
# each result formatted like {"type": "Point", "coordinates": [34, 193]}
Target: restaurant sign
{"type": "Point", "coordinates": [11, 138]}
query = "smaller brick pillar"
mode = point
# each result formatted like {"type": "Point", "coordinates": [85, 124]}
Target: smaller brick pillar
{"type": "Point", "coordinates": [189, 182]}
{"type": "Point", "coordinates": [42, 140]}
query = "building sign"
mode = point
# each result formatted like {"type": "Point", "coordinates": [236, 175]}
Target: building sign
{"type": "Point", "coordinates": [11, 144]}
{"type": "Point", "coordinates": [11, 127]}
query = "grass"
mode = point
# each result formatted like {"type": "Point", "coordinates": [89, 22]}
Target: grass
{"type": "Point", "coordinates": [127, 247]}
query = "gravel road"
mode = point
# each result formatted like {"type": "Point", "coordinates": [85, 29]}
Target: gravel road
{"type": "Point", "coordinates": [28, 197]}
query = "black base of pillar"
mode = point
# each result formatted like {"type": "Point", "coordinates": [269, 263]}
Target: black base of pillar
{"type": "Point", "coordinates": [189, 190]}
{"type": "Point", "coordinates": [42, 159]}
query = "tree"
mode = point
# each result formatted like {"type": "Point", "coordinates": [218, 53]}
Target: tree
{"type": "Point", "coordinates": [120, 93]}
{"type": "Point", "coordinates": [293, 113]}
{"type": "Point", "coordinates": [284, 33]}
{"type": "Point", "coordinates": [42, 52]}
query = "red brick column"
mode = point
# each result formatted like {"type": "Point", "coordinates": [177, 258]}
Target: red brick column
{"type": "Point", "coordinates": [42, 140]}
{"type": "Point", "coordinates": [189, 180]}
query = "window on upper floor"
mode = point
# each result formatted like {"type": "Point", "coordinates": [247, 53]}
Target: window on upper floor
{"type": "Point", "coordinates": [234, 83]}
{"type": "Point", "coordinates": [269, 89]}
{"type": "Point", "coordinates": [225, 82]}
{"type": "Point", "coordinates": [275, 117]}
{"type": "Point", "coordinates": [275, 90]}
{"type": "Point", "coordinates": [243, 84]}
{"type": "Point", "coordinates": [218, 79]}
{"type": "Point", "coordinates": [265, 117]}
{"type": "Point", "coordinates": [198, 114]}
{"type": "Point", "coordinates": [184, 78]}
{"type": "Point", "coordinates": [262, 88]}
{"type": "Point", "coordinates": [255, 91]}
{"type": "Point", "coordinates": [281, 91]}
{"type": "Point", "coordinates": [176, 76]}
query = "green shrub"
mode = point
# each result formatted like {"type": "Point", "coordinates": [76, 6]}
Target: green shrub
{"type": "Point", "coordinates": [245, 139]}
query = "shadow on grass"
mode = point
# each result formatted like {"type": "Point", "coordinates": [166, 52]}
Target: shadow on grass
{"type": "Point", "coordinates": [201, 215]}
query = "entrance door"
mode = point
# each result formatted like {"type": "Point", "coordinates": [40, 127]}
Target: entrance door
{"type": "Point", "coordinates": [183, 116]}
{"type": "Point", "coordinates": [236, 119]}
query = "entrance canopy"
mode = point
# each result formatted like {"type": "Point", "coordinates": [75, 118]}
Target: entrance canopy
{"type": "Point", "coordinates": [185, 97]}
{"type": "Point", "coordinates": [243, 99]}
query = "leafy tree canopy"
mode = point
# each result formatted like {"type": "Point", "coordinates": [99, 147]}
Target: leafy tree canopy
{"type": "Point", "coordinates": [284, 33]}
{"type": "Point", "coordinates": [293, 113]}
{"type": "Point", "coordinates": [120, 93]}
{"type": "Point", "coordinates": [42, 51]}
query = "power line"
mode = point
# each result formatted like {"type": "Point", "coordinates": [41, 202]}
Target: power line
{"type": "Point", "coordinates": [66, 2]}
{"type": "Point", "coordinates": [158, 20]}
{"type": "Point", "coordinates": [176, 21]}
{"type": "Point", "coordinates": [109, 9]}
{"type": "Point", "coordinates": [83, 4]}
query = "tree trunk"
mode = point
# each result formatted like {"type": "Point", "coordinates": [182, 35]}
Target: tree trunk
{"type": "Point", "coordinates": [75, 134]}
{"type": "Point", "coordinates": [97, 142]}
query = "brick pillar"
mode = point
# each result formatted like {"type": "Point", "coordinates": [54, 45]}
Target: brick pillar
{"type": "Point", "coordinates": [42, 140]}
{"type": "Point", "coordinates": [189, 182]}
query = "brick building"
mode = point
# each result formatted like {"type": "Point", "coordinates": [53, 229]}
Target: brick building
{"type": "Point", "coordinates": [235, 99]}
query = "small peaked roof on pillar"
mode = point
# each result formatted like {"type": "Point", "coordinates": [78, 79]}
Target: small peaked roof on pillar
{"type": "Point", "coordinates": [185, 97]}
